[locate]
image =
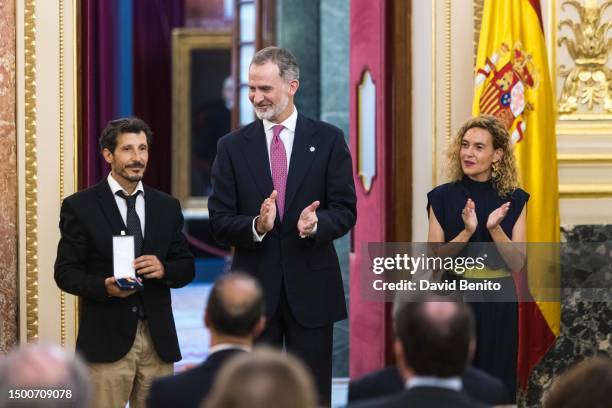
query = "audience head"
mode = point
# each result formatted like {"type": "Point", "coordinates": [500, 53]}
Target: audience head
{"type": "Point", "coordinates": [235, 306]}
{"type": "Point", "coordinates": [265, 378]}
{"type": "Point", "coordinates": [587, 384]}
{"type": "Point", "coordinates": [44, 367]}
{"type": "Point", "coordinates": [434, 337]}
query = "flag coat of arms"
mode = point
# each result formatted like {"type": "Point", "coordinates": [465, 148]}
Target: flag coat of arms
{"type": "Point", "coordinates": [512, 83]}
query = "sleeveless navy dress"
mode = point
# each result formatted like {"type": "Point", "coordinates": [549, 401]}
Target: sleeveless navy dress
{"type": "Point", "coordinates": [496, 322]}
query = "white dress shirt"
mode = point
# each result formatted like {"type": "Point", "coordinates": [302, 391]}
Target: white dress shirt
{"type": "Point", "coordinates": [228, 346]}
{"type": "Point", "coordinates": [122, 205]}
{"type": "Point", "coordinates": [451, 383]}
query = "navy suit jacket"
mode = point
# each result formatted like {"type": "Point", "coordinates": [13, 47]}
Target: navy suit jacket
{"type": "Point", "coordinates": [188, 389]}
{"type": "Point", "coordinates": [422, 397]}
{"type": "Point", "coordinates": [477, 384]}
{"type": "Point", "coordinates": [107, 325]}
{"type": "Point", "coordinates": [320, 168]}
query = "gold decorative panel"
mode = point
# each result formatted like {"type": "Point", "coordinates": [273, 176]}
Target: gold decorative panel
{"type": "Point", "coordinates": [588, 83]}
{"type": "Point", "coordinates": [580, 48]}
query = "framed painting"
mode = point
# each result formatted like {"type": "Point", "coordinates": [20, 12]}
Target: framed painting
{"type": "Point", "coordinates": [202, 105]}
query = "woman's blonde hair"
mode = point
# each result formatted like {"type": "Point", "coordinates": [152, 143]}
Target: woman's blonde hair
{"type": "Point", "coordinates": [265, 378]}
{"type": "Point", "coordinates": [505, 179]}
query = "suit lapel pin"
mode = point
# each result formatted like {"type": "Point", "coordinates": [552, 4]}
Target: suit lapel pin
{"type": "Point", "coordinates": [312, 148]}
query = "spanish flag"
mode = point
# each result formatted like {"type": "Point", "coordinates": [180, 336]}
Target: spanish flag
{"type": "Point", "coordinates": [512, 83]}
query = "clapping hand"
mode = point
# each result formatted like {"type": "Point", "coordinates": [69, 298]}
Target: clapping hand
{"type": "Point", "coordinates": [308, 220]}
{"type": "Point", "coordinates": [267, 214]}
{"type": "Point", "coordinates": [497, 216]}
{"type": "Point", "coordinates": [468, 215]}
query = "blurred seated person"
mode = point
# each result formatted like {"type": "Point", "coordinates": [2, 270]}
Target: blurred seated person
{"type": "Point", "coordinates": [48, 368]}
{"type": "Point", "coordinates": [478, 384]}
{"type": "Point", "coordinates": [265, 378]}
{"type": "Point", "coordinates": [235, 316]}
{"type": "Point", "coordinates": [586, 385]}
{"type": "Point", "coordinates": [434, 342]}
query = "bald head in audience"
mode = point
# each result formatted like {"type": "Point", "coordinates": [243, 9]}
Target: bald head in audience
{"type": "Point", "coordinates": [234, 316]}
{"type": "Point", "coordinates": [44, 367]}
{"type": "Point", "coordinates": [434, 337]}
{"type": "Point", "coordinates": [235, 310]}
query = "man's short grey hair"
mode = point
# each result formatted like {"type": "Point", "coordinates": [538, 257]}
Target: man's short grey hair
{"type": "Point", "coordinates": [45, 367]}
{"type": "Point", "coordinates": [286, 62]}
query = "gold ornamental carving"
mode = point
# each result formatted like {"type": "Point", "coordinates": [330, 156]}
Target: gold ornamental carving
{"type": "Point", "coordinates": [31, 170]}
{"type": "Point", "coordinates": [589, 82]}
{"type": "Point", "coordinates": [62, 136]}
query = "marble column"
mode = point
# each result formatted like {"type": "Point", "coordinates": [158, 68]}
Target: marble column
{"type": "Point", "coordinates": [334, 109]}
{"type": "Point", "coordinates": [297, 29]}
{"type": "Point", "coordinates": [8, 180]}
{"type": "Point", "coordinates": [586, 327]}
{"type": "Point", "coordinates": [317, 33]}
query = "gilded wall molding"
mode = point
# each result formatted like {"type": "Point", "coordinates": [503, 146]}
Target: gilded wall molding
{"type": "Point", "coordinates": [434, 107]}
{"type": "Point", "coordinates": [31, 171]}
{"type": "Point", "coordinates": [585, 190]}
{"type": "Point", "coordinates": [588, 84]}
{"type": "Point", "coordinates": [76, 86]}
{"type": "Point", "coordinates": [448, 80]}
{"type": "Point", "coordinates": [478, 11]}
{"type": "Point", "coordinates": [62, 135]}
{"type": "Point", "coordinates": [584, 158]}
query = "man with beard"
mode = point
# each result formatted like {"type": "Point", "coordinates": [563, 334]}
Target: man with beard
{"type": "Point", "coordinates": [128, 337]}
{"type": "Point", "coordinates": [282, 192]}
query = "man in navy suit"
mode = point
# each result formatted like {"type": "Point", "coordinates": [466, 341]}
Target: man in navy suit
{"type": "Point", "coordinates": [478, 384]}
{"type": "Point", "coordinates": [127, 337]}
{"type": "Point", "coordinates": [435, 338]}
{"type": "Point", "coordinates": [283, 190]}
{"type": "Point", "coordinates": [235, 316]}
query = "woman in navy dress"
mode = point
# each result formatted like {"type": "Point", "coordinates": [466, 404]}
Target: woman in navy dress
{"type": "Point", "coordinates": [483, 203]}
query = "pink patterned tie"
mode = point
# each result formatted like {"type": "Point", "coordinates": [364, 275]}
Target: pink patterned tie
{"type": "Point", "coordinates": [278, 161]}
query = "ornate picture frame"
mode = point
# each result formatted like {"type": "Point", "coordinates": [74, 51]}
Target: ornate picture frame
{"type": "Point", "coordinates": [201, 60]}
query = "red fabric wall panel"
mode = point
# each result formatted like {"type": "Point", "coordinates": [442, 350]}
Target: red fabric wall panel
{"type": "Point", "coordinates": [368, 322]}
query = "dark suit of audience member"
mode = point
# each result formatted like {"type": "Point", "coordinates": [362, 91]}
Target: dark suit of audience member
{"type": "Point", "coordinates": [425, 397]}
{"type": "Point", "coordinates": [434, 341]}
{"type": "Point", "coordinates": [283, 191]}
{"type": "Point", "coordinates": [234, 316]}
{"type": "Point", "coordinates": [477, 384]}
{"type": "Point", "coordinates": [127, 337]}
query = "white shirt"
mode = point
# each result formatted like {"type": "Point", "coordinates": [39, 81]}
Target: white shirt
{"type": "Point", "coordinates": [451, 383]}
{"type": "Point", "coordinates": [228, 346]}
{"type": "Point", "coordinates": [122, 205]}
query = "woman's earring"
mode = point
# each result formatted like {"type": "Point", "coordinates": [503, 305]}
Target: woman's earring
{"type": "Point", "coordinates": [495, 173]}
